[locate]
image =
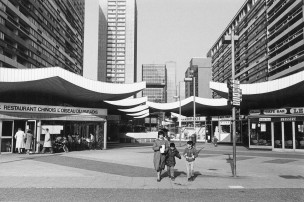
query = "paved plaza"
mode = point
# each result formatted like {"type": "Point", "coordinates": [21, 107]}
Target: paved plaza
{"type": "Point", "coordinates": [130, 167]}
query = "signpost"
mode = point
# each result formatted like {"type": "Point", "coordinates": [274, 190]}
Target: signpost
{"type": "Point", "coordinates": [234, 92]}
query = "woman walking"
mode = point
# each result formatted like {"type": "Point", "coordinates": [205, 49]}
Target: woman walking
{"type": "Point", "coordinates": [160, 148]}
{"type": "Point", "coordinates": [20, 136]}
{"type": "Point", "coordinates": [29, 140]}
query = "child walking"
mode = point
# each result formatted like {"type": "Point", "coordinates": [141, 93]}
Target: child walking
{"type": "Point", "coordinates": [190, 154]}
{"type": "Point", "coordinates": [170, 160]}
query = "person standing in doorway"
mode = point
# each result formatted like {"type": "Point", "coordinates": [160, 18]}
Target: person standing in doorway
{"type": "Point", "coordinates": [29, 140]}
{"type": "Point", "coordinates": [47, 142]}
{"type": "Point", "coordinates": [20, 136]}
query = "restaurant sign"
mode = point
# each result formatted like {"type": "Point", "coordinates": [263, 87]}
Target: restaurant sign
{"type": "Point", "coordinates": [299, 110]}
{"type": "Point", "coordinates": [275, 111]}
{"type": "Point", "coordinates": [45, 109]}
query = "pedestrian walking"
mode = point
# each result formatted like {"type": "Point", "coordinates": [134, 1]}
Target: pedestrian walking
{"type": "Point", "coordinates": [190, 154]}
{"type": "Point", "coordinates": [20, 136]}
{"type": "Point", "coordinates": [160, 148]}
{"type": "Point", "coordinates": [170, 160]}
{"type": "Point", "coordinates": [193, 139]}
{"type": "Point", "coordinates": [47, 142]}
{"type": "Point", "coordinates": [29, 140]}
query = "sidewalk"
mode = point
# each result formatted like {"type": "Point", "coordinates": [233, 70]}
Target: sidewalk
{"type": "Point", "coordinates": [132, 168]}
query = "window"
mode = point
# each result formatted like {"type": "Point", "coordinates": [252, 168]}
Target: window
{"type": "Point", "coordinates": [2, 35]}
{"type": "Point", "coordinates": [2, 21]}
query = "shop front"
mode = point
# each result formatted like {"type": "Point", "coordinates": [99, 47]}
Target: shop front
{"type": "Point", "coordinates": [81, 125]}
{"type": "Point", "coordinates": [277, 129]}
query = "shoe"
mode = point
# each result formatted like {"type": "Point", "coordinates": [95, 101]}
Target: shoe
{"type": "Point", "coordinates": [158, 180]}
{"type": "Point", "coordinates": [172, 178]}
{"type": "Point", "coordinates": [189, 179]}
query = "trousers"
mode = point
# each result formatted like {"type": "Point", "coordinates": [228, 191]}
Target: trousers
{"type": "Point", "coordinates": [190, 169]}
{"type": "Point", "coordinates": [170, 170]}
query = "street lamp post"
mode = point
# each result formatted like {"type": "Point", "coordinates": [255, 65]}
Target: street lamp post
{"type": "Point", "coordinates": [179, 118]}
{"type": "Point", "coordinates": [194, 106]}
{"type": "Point", "coordinates": [231, 39]}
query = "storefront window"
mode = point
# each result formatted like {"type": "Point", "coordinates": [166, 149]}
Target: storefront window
{"type": "Point", "coordinates": [7, 128]}
{"type": "Point", "coordinates": [6, 145]}
{"type": "Point", "coordinates": [299, 134]}
{"type": "Point", "coordinates": [277, 135]}
{"type": "Point", "coordinates": [260, 133]}
{"type": "Point", "coordinates": [80, 135]}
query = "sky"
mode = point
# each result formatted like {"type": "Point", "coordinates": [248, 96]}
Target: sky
{"type": "Point", "coordinates": [178, 30]}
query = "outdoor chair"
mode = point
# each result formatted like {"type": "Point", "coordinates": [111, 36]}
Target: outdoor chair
{"type": "Point", "coordinates": [302, 144]}
{"type": "Point", "coordinates": [288, 144]}
{"type": "Point", "coordinates": [277, 144]}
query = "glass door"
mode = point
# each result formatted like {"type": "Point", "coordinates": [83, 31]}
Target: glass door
{"type": "Point", "coordinates": [277, 134]}
{"type": "Point", "coordinates": [31, 124]}
{"type": "Point", "coordinates": [7, 143]}
{"type": "Point", "coordinates": [288, 135]}
{"type": "Point", "coordinates": [299, 135]}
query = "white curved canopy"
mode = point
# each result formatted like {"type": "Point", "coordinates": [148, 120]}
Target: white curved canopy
{"type": "Point", "coordinates": [128, 102]}
{"type": "Point", "coordinates": [135, 109]}
{"type": "Point", "coordinates": [142, 116]}
{"type": "Point", "coordinates": [63, 84]}
{"type": "Point", "coordinates": [24, 75]}
{"type": "Point", "coordinates": [140, 113]}
{"type": "Point", "coordinates": [286, 91]}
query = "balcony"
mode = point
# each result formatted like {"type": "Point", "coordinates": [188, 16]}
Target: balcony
{"type": "Point", "coordinates": [279, 8]}
{"type": "Point", "coordinates": [285, 23]}
{"type": "Point", "coordinates": [289, 61]}
{"type": "Point", "coordinates": [286, 41]}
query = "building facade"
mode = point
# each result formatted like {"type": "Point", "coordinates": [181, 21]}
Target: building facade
{"type": "Point", "coordinates": [36, 34]}
{"type": "Point", "coordinates": [155, 76]}
{"type": "Point", "coordinates": [270, 43]}
{"type": "Point", "coordinates": [285, 38]}
{"type": "Point", "coordinates": [171, 81]}
{"type": "Point", "coordinates": [269, 46]}
{"type": "Point", "coordinates": [111, 41]}
{"type": "Point", "coordinates": [200, 68]}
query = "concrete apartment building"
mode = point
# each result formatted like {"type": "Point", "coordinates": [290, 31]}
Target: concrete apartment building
{"type": "Point", "coordinates": [155, 76]}
{"type": "Point", "coordinates": [36, 34]}
{"type": "Point", "coordinates": [200, 68]}
{"type": "Point", "coordinates": [110, 41]}
{"type": "Point", "coordinates": [270, 44]}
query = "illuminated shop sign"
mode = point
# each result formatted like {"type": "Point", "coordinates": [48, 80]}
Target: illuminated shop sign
{"type": "Point", "coordinates": [288, 119]}
{"type": "Point", "coordinates": [299, 110]}
{"type": "Point", "coordinates": [254, 112]}
{"type": "Point", "coordinates": [264, 119]}
{"type": "Point", "coordinates": [189, 119]}
{"type": "Point", "coordinates": [275, 111]}
{"type": "Point", "coordinates": [23, 108]}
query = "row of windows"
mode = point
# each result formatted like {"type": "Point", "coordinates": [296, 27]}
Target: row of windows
{"type": "Point", "coordinates": [115, 58]}
{"type": "Point", "coordinates": [110, 70]}
{"type": "Point", "coordinates": [115, 62]}
{"type": "Point", "coordinates": [116, 24]}
{"type": "Point", "coordinates": [115, 75]}
{"type": "Point", "coordinates": [116, 28]}
{"type": "Point", "coordinates": [116, 66]}
{"type": "Point", "coordinates": [115, 53]}
{"type": "Point", "coordinates": [116, 20]}
{"type": "Point", "coordinates": [116, 49]}
{"type": "Point", "coordinates": [119, 42]}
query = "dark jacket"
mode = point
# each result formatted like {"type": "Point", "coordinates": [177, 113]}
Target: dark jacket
{"type": "Point", "coordinates": [170, 157]}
